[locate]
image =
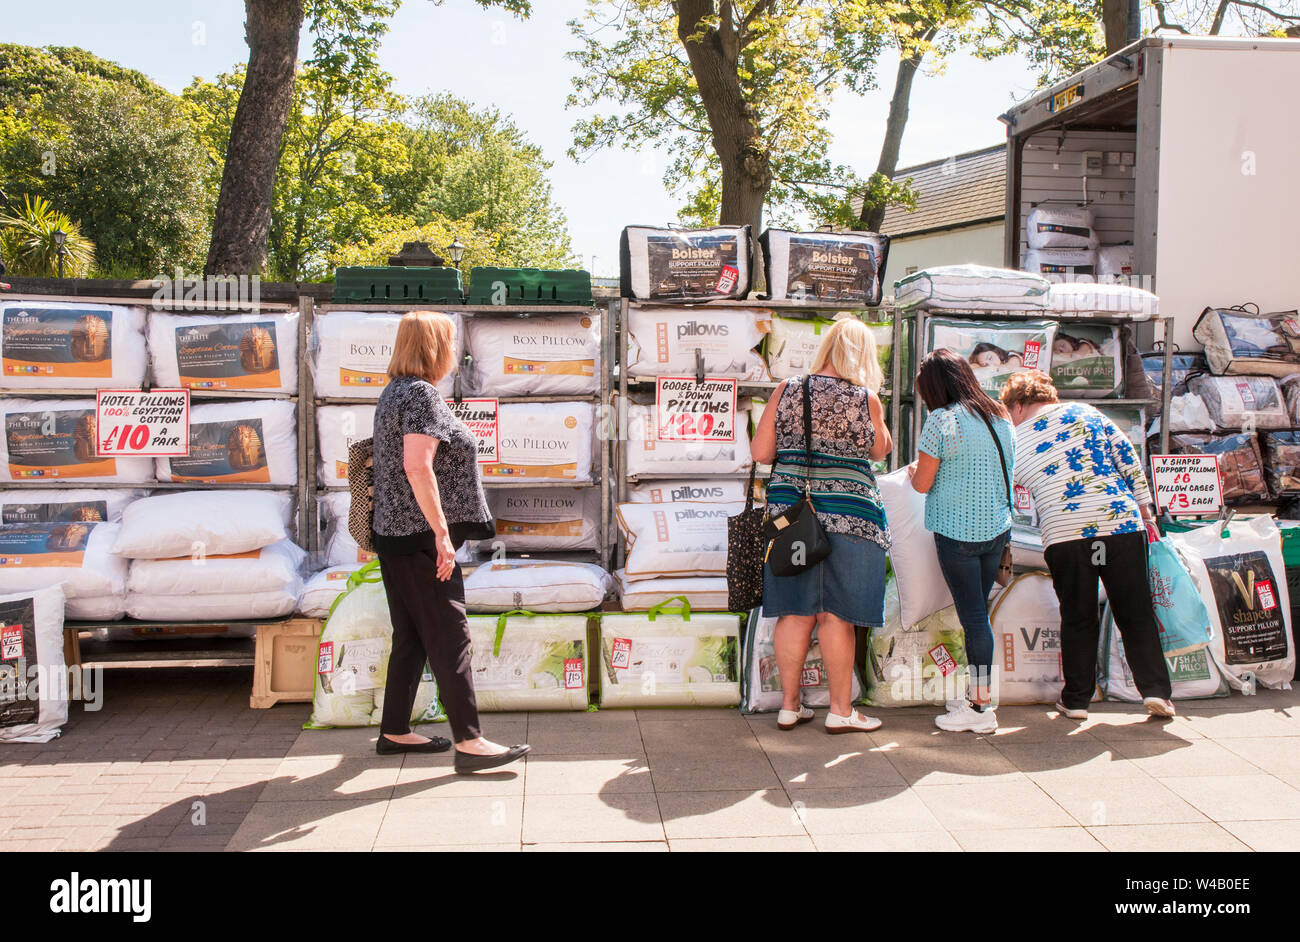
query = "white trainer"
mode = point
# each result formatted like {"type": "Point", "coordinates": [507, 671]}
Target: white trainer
{"type": "Point", "coordinates": [1158, 707]}
{"type": "Point", "coordinates": [855, 722]}
{"type": "Point", "coordinates": [968, 720]}
{"type": "Point", "coordinates": [1072, 714]}
{"type": "Point", "coordinates": [789, 719]}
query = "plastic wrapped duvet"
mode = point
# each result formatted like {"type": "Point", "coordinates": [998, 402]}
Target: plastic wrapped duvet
{"type": "Point", "coordinates": [1110, 300]}
{"type": "Point", "coordinates": [523, 661]}
{"type": "Point", "coordinates": [762, 683]}
{"type": "Point", "coordinates": [1050, 227]}
{"type": "Point", "coordinates": [670, 657]}
{"type": "Point", "coordinates": [972, 288]}
{"type": "Point", "coordinates": [1242, 403]}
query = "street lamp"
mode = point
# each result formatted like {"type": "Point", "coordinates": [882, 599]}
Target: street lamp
{"type": "Point", "coordinates": [59, 238]}
{"type": "Point", "coordinates": [456, 250]}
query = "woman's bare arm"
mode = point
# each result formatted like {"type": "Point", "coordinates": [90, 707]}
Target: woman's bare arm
{"type": "Point", "coordinates": [884, 441]}
{"type": "Point", "coordinates": [763, 444]}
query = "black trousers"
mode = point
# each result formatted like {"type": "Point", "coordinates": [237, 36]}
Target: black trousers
{"type": "Point", "coordinates": [428, 624]}
{"type": "Point", "coordinates": [1121, 563]}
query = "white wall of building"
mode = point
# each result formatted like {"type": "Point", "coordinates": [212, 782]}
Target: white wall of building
{"type": "Point", "coordinates": [977, 245]}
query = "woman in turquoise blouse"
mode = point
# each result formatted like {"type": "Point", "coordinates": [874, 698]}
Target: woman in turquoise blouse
{"type": "Point", "coordinates": [968, 508]}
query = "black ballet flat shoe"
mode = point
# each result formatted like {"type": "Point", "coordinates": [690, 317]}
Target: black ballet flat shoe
{"type": "Point", "coordinates": [467, 762]}
{"type": "Point", "coordinates": [386, 747]}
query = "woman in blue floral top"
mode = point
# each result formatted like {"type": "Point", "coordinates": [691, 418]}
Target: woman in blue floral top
{"type": "Point", "coordinates": [1087, 484]}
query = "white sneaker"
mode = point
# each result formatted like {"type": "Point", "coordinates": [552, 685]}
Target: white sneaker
{"type": "Point", "coordinates": [789, 719]}
{"type": "Point", "coordinates": [1157, 707]}
{"type": "Point", "coordinates": [1072, 714]}
{"type": "Point", "coordinates": [968, 720]}
{"type": "Point", "coordinates": [855, 722]}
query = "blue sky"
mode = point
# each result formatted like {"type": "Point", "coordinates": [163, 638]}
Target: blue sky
{"type": "Point", "coordinates": [519, 67]}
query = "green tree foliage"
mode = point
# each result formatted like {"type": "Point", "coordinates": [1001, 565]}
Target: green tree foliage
{"type": "Point", "coordinates": [28, 245]}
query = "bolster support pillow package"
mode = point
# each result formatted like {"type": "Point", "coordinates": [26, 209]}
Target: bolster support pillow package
{"type": "Point", "coordinates": [251, 441]}
{"type": "Point", "coordinates": [55, 439]}
{"type": "Point", "coordinates": [846, 267]}
{"type": "Point", "coordinates": [71, 345]}
{"type": "Point", "coordinates": [227, 351]}
{"type": "Point", "coordinates": [658, 264]}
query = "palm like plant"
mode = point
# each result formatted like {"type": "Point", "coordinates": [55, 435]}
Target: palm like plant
{"type": "Point", "coordinates": [29, 248]}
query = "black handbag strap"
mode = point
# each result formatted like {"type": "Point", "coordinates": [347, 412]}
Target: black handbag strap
{"type": "Point", "coordinates": [1002, 459]}
{"type": "Point", "coordinates": [749, 488]}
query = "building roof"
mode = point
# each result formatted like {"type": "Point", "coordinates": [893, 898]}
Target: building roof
{"type": "Point", "coordinates": [954, 191]}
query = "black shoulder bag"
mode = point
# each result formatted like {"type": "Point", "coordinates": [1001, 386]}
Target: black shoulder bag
{"type": "Point", "coordinates": [745, 545]}
{"type": "Point", "coordinates": [1005, 574]}
{"type": "Point", "coordinates": [796, 539]}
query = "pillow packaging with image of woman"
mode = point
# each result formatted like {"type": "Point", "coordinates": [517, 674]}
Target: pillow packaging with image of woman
{"type": "Point", "coordinates": [995, 350]}
{"type": "Point", "coordinates": [1087, 360]}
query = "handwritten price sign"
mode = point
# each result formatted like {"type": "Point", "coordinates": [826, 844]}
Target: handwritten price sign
{"type": "Point", "coordinates": [687, 411]}
{"type": "Point", "coordinates": [1187, 484]}
{"type": "Point", "coordinates": [139, 424]}
{"type": "Point", "coordinates": [481, 418]}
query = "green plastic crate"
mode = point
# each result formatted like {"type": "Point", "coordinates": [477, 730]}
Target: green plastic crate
{"type": "Point", "coordinates": [490, 285]}
{"type": "Point", "coordinates": [382, 284]}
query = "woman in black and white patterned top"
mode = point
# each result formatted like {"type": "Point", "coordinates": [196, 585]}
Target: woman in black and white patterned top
{"type": "Point", "coordinates": [428, 500]}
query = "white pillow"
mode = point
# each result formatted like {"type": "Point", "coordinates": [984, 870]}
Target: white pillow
{"type": "Point", "coordinates": [543, 441]}
{"type": "Point", "coordinates": [216, 523]}
{"type": "Point", "coordinates": [78, 555]}
{"type": "Point", "coordinates": [54, 439]}
{"type": "Point", "coordinates": [681, 539]}
{"type": "Point", "coordinates": [669, 492]}
{"type": "Point", "coordinates": [663, 341]}
{"type": "Point", "coordinates": [535, 585]}
{"type": "Point", "coordinates": [250, 441]}
{"type": "Point", "coordinates": [241, 607]}
{"type": "Point", "coordinates": [71, 345]}
{"type": "Point", "coordinates": [350, 352]}
{"type": "Point", "coordinates": [320, 591]}
{"type": "Point", "coordinates": [922, 589]}
{"type": "Point", "coordinates": [272, 568]}
{"type": "Point", "coordinates": [704, 593]}
{"type": "Point", "coordinates": [225, 351]}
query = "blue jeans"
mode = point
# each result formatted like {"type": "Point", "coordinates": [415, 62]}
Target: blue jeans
{"type": "Point", "coordinates": [970, 570]}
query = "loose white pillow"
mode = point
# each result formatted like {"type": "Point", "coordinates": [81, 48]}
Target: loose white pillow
{"type": "Point", "coordinates": [535, 585]}
{"type": "Point", "coordinates": [216, 523]}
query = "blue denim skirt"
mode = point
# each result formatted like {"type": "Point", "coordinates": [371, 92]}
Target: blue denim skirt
{"type": "Point", "coordinates": [849, 583]}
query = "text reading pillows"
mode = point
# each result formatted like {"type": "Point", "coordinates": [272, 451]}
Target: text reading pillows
{"type": "Point", "coordinates": [227, 351]}
{"type": "Point", "coordinates": [664, 341]}
{"type": "Point", "coordinates": [41, 505]}
{"type": "Point", "coordinates": [543, 441]}
{"type": "Point", "coordinates": [545, 518]}
{"type": "Point", "coordinates": [704, 593]}
{"type": "Point", "coordinates": [1242, 580]}
{"type": "Point", "coordinates": [922, 589]}
{"type": "Point", "coordinates": [251, 441]}
{"type": "Point", "coordinates": [996, 350]}
{"type": "Point", "coordinates": [1242, 403]}
{"type": "Point", "coordinates": [78, 555]}
{"type": "Point", "coordinates": [48, 439]}
{"type": "Point", "coordinates": [1088, 360]}
{"type": "Point", "coordinates": [843, 267]}
{"type": "Point", "coordinates": [535, 356]}
{"type": "Point", "coordinates": [71, 345]}
{"type": "Point", "coordinates": [1241, 468]}
{"type": "Point", "coordinates": [1050, 227]}
{"type": "Point", "coordinates": [647, 455]}
{"type": "Point", "coordinates": [670, 657]}
{"type": "Point", "coordinates": [1238, 341]}
{"type": "Point", "coordinates": [535, 585]}
{"type": "Point", "coordinates": [1062, 264]}
{"type": "Point", "coordinates": [337, 428]}
{"type": "Point", "coordinates": [668, 492]}
{"type": "Point", "coordinates": [1087, 297]}
{"type": "Point", "coordinates": [972, 288]}
{"type": "Point", "coordinates": [529, 662]}
{"type": "Point", "coordinates": [684, 264]}
{"type": "Point", "coordinates": [213, 523]}
{"type": "Point", "coordinates": [680, 539]}
{"type": "Point", "coordinates": [761, 682]}
{"type": "Point", "coordinates": [33, 680]}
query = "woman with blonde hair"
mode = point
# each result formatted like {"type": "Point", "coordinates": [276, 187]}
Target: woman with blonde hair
{"type": "Point", "coordinates": [847, 588]}
{"type": "Point", "coordinates": [428, 500]}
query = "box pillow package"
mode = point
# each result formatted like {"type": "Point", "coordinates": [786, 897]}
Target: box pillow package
{"type": "Point", "coordinates": [71, 345]}
{"type": "Point", "coordinates": [924, 664]}
{"type": "Point", "coordinates": [761, 683]}
{"type": "Point", "coordinates": [39, 505]}
{"type": "Point", "coordinates": [1241, 575]}
{"type": "Point", "coordinates": [543, 441]}
{"type": "Point", "coordinates": [1054, 227]}
{"type": "Point", "coordinates": [1110, 300]}
{"type": "Point", "coordinates": [1241, 467]}
{"type": "Point", "coordinates": [535, 585]}
{"type": "Point", "coordinates": [226, 351]}
{"type": "Point", "coordinates": [529, 662]}
{"type": "Point", "coordinates": [669, 492]}
{"type": "Point", "coordinates": [211, 523]}
{"type": "Point", "coordinates": [1116, 264]}
{"type": "Point", "coordinates": [1062, 264]}
{"type": "Point", "coordinates": [684, 264]}
{"type": "Point", "coordinates": [33, 644]}
{"type": "Point", "coordinates": [844, 267]}
{"type": "Point", "coordinates": [704, 593]}
{"type": "Point", "coordinates": [1240, 341]}
{"type": "Point", "coordinates": [647, 455]}
{"type": "Point", "coordinates": [972, 288]}
{"type": "Point", "coordinates": [545, 518]}
{"type": "Point", "coordinates": [323, 588]}
{"type": "Point", "coordinates": [680, 539]}
{"type": "Point", "coordinates": [337, 428]}
{"type": "Point", "coordinates": [78, 555]}
{"type": "Point", "coordinates": [1242, 403]}
{"type": "Point", "coordinates": [55, 439]}
{"type": "Point", "coordinates": [350, 352]}
{"type": "Point", "coordinates": [1088, 360]}
{"type": "Point", "coordinates": [535, 356]}
{"type": "Point", "coordinates": [996, 350]}
{"type": "Point", "coordinates": [664, 341]}
{"type": "Point", "coordinates": [250, 441]}
{"type": "Point", "coordinates": [672, 657]}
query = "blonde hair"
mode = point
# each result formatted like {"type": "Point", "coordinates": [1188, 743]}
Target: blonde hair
{"type": "Point", "coordinates": [425, 346]}
{"type": "Point", "coordinates": [1028, 388]}
{"type": "Point", "coordinates": [850, 350]}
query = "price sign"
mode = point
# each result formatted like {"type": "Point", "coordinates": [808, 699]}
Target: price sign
{"type": "Point", "coordinates": [573, 673]}
{"type": "Point", "coordinates": [138, 424]}
{"type": "Point", "coordinates": [11, 642]}
{"type": "Point", "coordinates": [687, 411]}
{"type": "Point", "coordinates": [325, 658]}
{"type": "Point", "coordinates": [621, 656]}
{"type": "Point", "coordinates": [943, 659]}
{"type": "Point", "coordinates": [811, 676]}
{"type": "Point", "coordinates": [1032, 350]}
{"type": "Point", "coordinates": [480, 417]}
{"type": "Point", "coordinates": [1187, 484]}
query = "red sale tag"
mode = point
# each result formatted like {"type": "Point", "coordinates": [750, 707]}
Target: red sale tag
{"type": "Point", "coordinates": [573, 674]}
{"type": "Point", "coordinates": [943, 660]}
{"type": "Point", "coordinates": [11, 642]}
{"type": "Point", "coordinates": [1266, 598]}
{"type": "Point", "coordinates": [1022, 499]}
{"type": "Point", "coordinates": [621, 656]}
{"type": "Point", "coordinates": [811, 677]}
{"type": "Point", "coordinates": [325, 658]}
{"type": "Point", "coordinates": [1032, 349]}
{"type": "Point", "coordinates": [1246, 393]}
{"type": "Point", "coordinates": [727, 280]}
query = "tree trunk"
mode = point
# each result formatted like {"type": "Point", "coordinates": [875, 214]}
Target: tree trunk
{"type": "Point", "coordinates": [1114, 21]}
{"type": "Point", "coordinates": [243, 216]}
{"type": "Point", "coordinates": [872, 216]}
{"type": "Point", "coordinates": [737, 138]}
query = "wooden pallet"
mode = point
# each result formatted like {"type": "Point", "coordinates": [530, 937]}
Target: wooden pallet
{"type": "Point", "coordinates": [284, 662]}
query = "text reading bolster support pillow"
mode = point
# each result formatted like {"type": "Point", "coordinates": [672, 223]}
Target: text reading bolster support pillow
{"type": "Point", "coordinates": [684, 264]}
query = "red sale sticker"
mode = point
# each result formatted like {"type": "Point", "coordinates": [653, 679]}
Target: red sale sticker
{"type": "Point", "coordinates": [1246, 393]}
{"type": "Point", "coordinates": [811, 676]}
{"type": "Point", "coordinates": [728, 279]}
{"type": "Point", "coordinates": [325, 658]}
{"type": "Point", "coordinates": [621, 656]}
{"type": "Point", "coordinates": [1267, 601]}
{"type": "Point", "coordinates": [11, 642]}
{"type": "Point", "coordinates": [1032, 349]}
{"type": "Point", "coordinates": [1022, 499]}
{"type": "Point", "coordinates": [573, 673]}
{"type": "Point", "coordinates": [943, 659]}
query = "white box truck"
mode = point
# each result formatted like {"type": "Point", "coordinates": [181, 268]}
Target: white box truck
{"type": "Point", "coordinates": [1186, 147]}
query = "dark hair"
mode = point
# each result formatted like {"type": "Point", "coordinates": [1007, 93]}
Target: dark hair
{"type": "Point", "coordinates": [1003, 355]}
{"type": "Point", "coordinates": [945, 379]}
